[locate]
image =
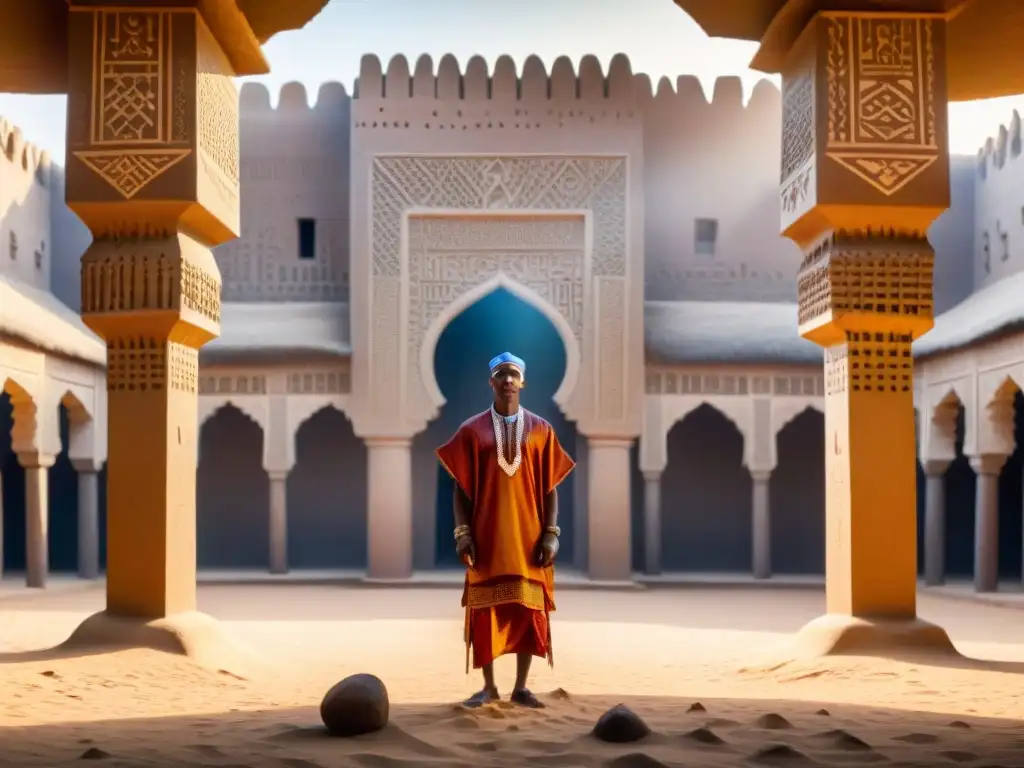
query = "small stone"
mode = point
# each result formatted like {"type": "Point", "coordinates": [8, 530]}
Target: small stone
{"type": "Point", "coordinates": [94, 753]}
{"type": "Point", "coordinates": [696, 707]}
{"type": "Point", "coordinates": [620, 725]}
{"type": "Point", "coordinates": [355, 706]}
{"type": "Point", "coordinates": [823, 713]}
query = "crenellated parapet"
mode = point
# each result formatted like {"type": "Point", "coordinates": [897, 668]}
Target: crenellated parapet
{"type": "Point", "coordinates": [23, 157]}
{"type": "Point", "coordinates": [687, 95]}
{"type": "Point", "coordinates": [998, 201]}
{"type": "Point", "coordinates": [1004, 146]}
{"type": "Point", "coordinates": [449, 82]}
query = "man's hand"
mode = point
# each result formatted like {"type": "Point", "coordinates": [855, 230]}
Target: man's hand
{"type": "Point", "coordinates": [466, 550]}
{"type": "Point", "coordinates": [547, 550]}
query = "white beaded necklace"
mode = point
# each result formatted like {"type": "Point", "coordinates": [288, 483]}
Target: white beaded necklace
{"type": "Point", "coordinates": [499, 439]}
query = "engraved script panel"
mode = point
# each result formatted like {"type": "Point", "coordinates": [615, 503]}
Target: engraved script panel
{"type": "Point", "coordinates": [881, 98]}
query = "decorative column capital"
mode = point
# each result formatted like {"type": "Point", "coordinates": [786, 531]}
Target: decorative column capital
{"type": "Point", "coordinates": [36, 460]}
{"type": "Point", "coordinates": [653, 476]}
{"type": "Point", "coordinates": [86, 466]}
{"type": "Point", "coordinates": [864, 125]}
{"type": "Point", "coordinates": [620, 443]}
{"type": "Point", "coordinates": [761, 475]}
{"type": "Point", "coordinates": [278, 475]}
{"type": "Point", "coordinates": [153, 118]}
{"type": "Point", "coordinates": [988, 463]}
{"type": "Point", "coordinates": [935, 467]}
{"type": "Point", "coordinates": [388, 441]}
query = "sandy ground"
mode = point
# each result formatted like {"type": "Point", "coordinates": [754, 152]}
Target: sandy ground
{"type": "Point", "coordinates": [659, 651]}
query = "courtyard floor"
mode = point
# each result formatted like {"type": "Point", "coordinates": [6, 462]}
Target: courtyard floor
{"type": "Point", "coordinates": [659, 650]}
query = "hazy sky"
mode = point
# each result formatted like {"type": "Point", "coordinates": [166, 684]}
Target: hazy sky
{"type": "Point", "coordinates": [658, 37]}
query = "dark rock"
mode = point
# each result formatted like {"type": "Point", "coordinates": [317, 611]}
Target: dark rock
{"type": "Point", "coordinates": [635, 760]}
{"type": "Point", "coordinates": [94, 753]}
{"type": "Point", "coordinates": [705, 736]}
{"type": "Point", "coordinates": [620, 725]}
{"type": "Point", "coordinates": [696, 707]}
{"type": "Point", "coordinates": [843, 740]}
{"type": "Point", "coordinates": [355, 706]}
{"type": "Point", "coordinates": [780, 754]}
{"type": "Point", "coordinates": [959, 724]}
{"type": "Point", "coordinates": [773, 722]}
{"type": "Point", "coordinates": [823, 713]}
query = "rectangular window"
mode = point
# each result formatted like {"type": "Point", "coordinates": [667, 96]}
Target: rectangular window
{"type": "Point", "coordinates": [705, 233]}
{"type": "Point", "coordinates": [307, 238]}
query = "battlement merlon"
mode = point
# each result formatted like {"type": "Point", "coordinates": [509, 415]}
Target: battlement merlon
{"type": "Point", "coordinates": [24, 156]}
{"type": "Point", "coordinates": [1006, 145]}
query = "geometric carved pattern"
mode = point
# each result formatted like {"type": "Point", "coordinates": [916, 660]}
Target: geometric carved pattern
{"type": "Point", "coordinates": [489, 183]}
{"type": "Point", "coordinates": [136, 364]}
{"type": "Point", "coordinates": [138, 106]}
{"type": "Point", "coordinates": [882, 118]}
{"type": "Point", "coordinates": [448, 257]}
{"type": "Point", "coordinates": [128, 171]}
{"type": "Point", "coordinates": [668, 381]}
{"type": "Point", "coordinates": [880, 362]}
{"type": "Point", "coordinates": [797, 122]}
{"type": "Point", "coordinates": [137, 280]}
{"type": "Point", "coordinates": [880, 276]}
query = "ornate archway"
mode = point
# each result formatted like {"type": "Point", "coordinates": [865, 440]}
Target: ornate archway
{"type": "Point", "coordinates": [444, 231]}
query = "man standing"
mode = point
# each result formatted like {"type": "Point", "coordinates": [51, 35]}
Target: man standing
{"type": "Point", "coordinates": [507, 464]}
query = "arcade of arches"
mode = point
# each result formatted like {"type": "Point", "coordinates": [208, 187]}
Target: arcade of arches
{"type": "Point", "coordinates": [718, 504]}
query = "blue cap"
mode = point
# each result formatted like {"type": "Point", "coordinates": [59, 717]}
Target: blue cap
{"type": "Point", "coordinates": [507, 358]}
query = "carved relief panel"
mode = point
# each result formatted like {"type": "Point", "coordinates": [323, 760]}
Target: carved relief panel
{"type": "Point", "coordinates": [429, 251]}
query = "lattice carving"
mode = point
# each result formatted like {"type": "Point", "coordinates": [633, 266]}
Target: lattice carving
{"type": "Point", "coordinates": [320, 383]}
{"type": "Point", "coordinates": [797, 122]}
{"type": "Point", "coordinates": [882, 276]}
{"type": "Point", "coordinates": [136, 364]}
{"type": "Point", "coordinates": [882, 123]}
{"type": "Point", "coordinates": [880, 362]}
{"type": "Point", "coordinates": [666, 381]}
{"type": "Point", "coordinates": [526, 183]}
{"type": "Point", "coordinates": [183, 364]}
{"type": "Point", "coordinates": [233, 385]}
{"type": "Point", "coordinates": [146, 279]}
{"type": "Point", "coordinates": [835, 370]}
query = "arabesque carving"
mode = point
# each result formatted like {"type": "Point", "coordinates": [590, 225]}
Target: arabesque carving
{"type": "Point", "coordinates": [524, 183]}
{"type": "Point", "coordinates": [132, 108]}
{"type": "Point", "coordinates": [881, 75]}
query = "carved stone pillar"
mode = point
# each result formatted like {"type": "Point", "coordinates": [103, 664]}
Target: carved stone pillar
{"type": "Point", "coordinates": [935, 522]}
{"type": "Point", "coordinates": [609, 550]}
{"type": "Point", "coordinates": [88, 518]}
{"type": "Point", "coordinates": [652, 523]}
{"type": "Point", "coordinates": [390, 507]}
{"type": "Point", "coordinates": [761, 523]}
{"type": "Point", "coordinates": [986, 521]}
{"type": "Point", "coordinates": [153, 172]}
{"type": "Point", "coordinates": [278, 521]}
{"type": "Point", "coordinates": [37, 516]}
{"type": "Point", "coordinates": [865, 171]}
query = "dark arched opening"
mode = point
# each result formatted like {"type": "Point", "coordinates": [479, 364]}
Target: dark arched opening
{"type": "Point", "coordinates": [12, 478]}
{"type": "Point", "coordinates": [327, 495]}
{"type": "Point", "coordinates": [63, 499]}
{"type": "Point", "coordinates": [706, 496]}
{"type": "Point", "coordinates": [960, 489]}
{"type": "Point", "coordinates": [1011, 503]}
{"type": "Point", "coordinates": [232, 494]}
{"type": "Point", "coordinates": [797, 496]}
{"type": "Point", "coordinates": [499, 322]}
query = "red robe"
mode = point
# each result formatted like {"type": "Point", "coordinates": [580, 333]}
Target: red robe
{"type": "Point", "coordinates": [507, 596]}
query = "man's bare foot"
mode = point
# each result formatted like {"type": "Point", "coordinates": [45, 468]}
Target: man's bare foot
{"type": "Point", "coordinates": [478, 699]}
{"type": "Point", "coordinates": [524, 698]}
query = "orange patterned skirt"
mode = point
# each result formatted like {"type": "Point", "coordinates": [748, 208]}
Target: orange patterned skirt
{"type": "Point", "coordinates": [507, 628]}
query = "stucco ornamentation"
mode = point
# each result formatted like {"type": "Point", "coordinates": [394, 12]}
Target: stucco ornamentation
{"type": "Point", "coordinates": [597, 184]}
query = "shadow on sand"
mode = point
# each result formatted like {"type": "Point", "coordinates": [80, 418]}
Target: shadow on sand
{"type": "Point", "coordinates": [715, 732]}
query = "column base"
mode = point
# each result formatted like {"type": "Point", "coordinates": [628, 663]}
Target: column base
{"type": "Point", "coordinates": [198, 636]}
{"type": "Point", "coordinates": [841, 635]}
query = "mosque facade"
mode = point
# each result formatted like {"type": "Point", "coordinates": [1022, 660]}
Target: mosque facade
{"type": "Point", "coordinates": [620, 235]}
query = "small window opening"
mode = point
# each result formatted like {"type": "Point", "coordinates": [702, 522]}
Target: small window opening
{"type": "Point", "coordinates": [705, 235]}
{"type": "Point", "coordinates": [307, 238]}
